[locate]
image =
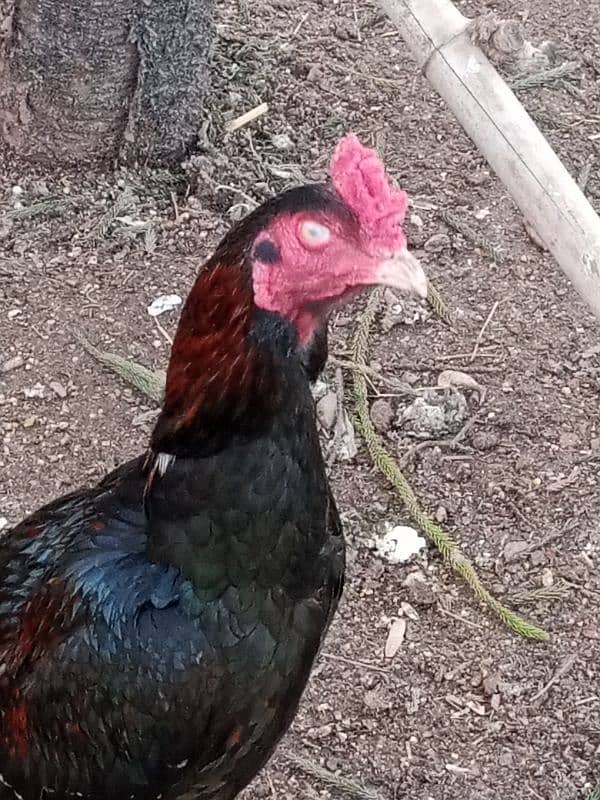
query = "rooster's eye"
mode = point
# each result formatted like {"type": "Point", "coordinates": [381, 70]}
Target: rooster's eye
{"type": "Point", "coordinates": [314, 234]}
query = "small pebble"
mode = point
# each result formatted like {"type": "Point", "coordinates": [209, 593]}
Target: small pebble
{"type": "Point", "coordinates": [547, 577]}
{"type": "Point", "coordinates": [514, 550]}
{"type": "Point", "coordinates": [441, 514]}
{"type": "Point", "coordinates": [567, 439]}
{"type": "Point", "coordinates": [538, 558]}
{"type": "Point", "coordinates": [421, 593]}
{"type": "Point", "coordinates": [13, 363]}
{"type": "Point", "coordinates": [327, 410]}
{"type": "Point", "coordinates": [382, 415]}
{"type": "Point", "coordinates": [282, 141]}
{"type": "Point", "coordinates": [437, 243]}
{"type": "Point", "coordinates": [58, 389]}
{"type": "Point", "coordinates": [409, 377]}
{"type": "Point", "coordinates": [484, 440]}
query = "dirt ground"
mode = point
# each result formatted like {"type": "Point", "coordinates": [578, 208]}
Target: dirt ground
{"type": "Point", "coordinates": [464, 709]}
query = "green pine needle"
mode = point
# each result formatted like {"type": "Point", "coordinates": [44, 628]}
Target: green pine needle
{"type": "Point", "coordinates": [387, 466]}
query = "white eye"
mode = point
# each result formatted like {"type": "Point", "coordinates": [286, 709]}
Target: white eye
{"type": "Point", "coordinates": [314, 234]}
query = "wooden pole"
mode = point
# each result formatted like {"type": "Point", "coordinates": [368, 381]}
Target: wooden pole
{"type": "Point", "coordinates": [437, 34]}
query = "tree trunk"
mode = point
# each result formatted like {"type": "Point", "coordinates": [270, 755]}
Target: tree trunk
{"type": "Point", "coordinates": [94, 80]}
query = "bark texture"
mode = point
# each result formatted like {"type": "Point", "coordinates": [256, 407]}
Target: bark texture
{"type": "Point", "coordinates": [90, 80]}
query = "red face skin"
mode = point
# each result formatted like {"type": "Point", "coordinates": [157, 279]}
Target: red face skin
{"type": "Point", "coordinates": [302, 264]}
{"type": "Point", "coordinates": [317, 259]}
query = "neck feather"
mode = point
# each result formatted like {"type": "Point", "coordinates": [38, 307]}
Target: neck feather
{"type": "Point", "coordinates": [219, 379]}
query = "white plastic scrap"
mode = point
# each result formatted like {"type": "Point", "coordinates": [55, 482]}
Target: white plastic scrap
{"type": "Point", "coordinates": [399, 544]}
{"type": "Point", "coordinates": [166, 302]}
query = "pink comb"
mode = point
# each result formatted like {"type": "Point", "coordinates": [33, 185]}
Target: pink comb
{"type": "Point", "coordinates": [359, 179]}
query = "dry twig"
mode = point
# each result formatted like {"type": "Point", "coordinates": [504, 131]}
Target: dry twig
{"type": "Point", "coordinates": [482, 331]}
{"type": "Point", "coordinates": [355, 663]}
{"type": "Point", "coordinates": [564, 667]}
{"type": "Point", "coordinates": [247, 118]}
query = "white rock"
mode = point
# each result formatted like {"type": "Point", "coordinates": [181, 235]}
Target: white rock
{"type": "Point", "coordinates": [327, 410]}
{"type": "Point", "coordinates": [399, 544]}
{"type": "Point", "coordinates": [319, 389]}
{"type": "Point", "coordinates": [282, 141]}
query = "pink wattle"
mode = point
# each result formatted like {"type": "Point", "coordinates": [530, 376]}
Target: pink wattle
{"type": "Point", "coordinates": [360, 180]}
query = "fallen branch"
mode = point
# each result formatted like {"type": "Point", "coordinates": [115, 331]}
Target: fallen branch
{"type": "Point", "coordinates": [53, 206]}
{"type": "Point", "coordinates": [541, 594]}
{"type": "Point", "coordinates": [386, 464]}
{"type": "Point", "coordinates": [343, 784]}
{"type": "Point", "coordinates": [439, 37]}
{"type": "Point", "coordinates": [101, 228]}
{"type": "Point", "coordinates": [437, 303]}
{"type": "Point", "coordinates": [150, 382]}
{"type": "Point", "coordinates": [586, 171]}
{"type": "Point", "coordinates": [471, 235]}
{"type": "Point", "coordinates": [545, 76]}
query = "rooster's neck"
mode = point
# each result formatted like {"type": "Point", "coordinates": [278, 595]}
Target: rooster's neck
{"type": "Point", "coordinates": [224, 371]}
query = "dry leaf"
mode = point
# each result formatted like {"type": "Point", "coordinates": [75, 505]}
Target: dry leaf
{"type": "Point", "coordinates": [409, 611]}
{"type": "Point", "coordinates": [13, 363]}
{"type": "Point", "coordinates": [58, 389]}
{"type": "Point", "coordinates": [395, 637]}
{"type": "Point", "coordinates": [458, 770]}
{"type": "Point", "coordinates": [476, 708]}
{"type": "Point", "coordinates": [454, 377]}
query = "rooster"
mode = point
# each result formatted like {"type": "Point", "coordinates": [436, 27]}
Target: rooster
{"type": "Point", "coordinates": [157, 630]}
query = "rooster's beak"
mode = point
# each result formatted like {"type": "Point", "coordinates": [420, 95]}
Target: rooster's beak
{"type": "Point", "coordinates": [402, 271]}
